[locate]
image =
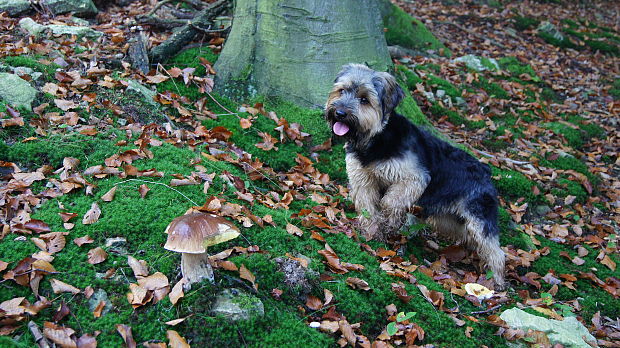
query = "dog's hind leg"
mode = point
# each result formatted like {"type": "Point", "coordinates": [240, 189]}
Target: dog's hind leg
{"type": "Point", "coordinates": [486, 244]}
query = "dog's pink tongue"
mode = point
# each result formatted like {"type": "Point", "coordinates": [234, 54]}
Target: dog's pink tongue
{"type": "Point", "coordinates": [340, 128]}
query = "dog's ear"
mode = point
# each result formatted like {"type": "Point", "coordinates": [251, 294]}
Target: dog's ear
{"type": "Point", "coordinates": [389, 91]}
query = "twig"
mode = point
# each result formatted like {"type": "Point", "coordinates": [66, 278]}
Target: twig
{"type": "Point", "coordinates": [487, 310]}
{"type": "Point", "coordinates": [159, 183]}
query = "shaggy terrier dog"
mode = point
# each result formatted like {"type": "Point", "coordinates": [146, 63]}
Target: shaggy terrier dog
{"type": "Point", "coordinates": [393, 165]}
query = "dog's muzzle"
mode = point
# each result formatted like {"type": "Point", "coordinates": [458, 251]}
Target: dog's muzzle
{"type": "Point", "coordinates": [339, 127]}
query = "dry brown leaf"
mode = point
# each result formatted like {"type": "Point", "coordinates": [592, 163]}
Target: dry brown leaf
{"type": "Point", "coordinates": [125, 332]}
{"type": "Point", "coordinates": [175, 340]}
{"type": "Point", "coordinates": [314, 303]}
{"type": "Point", "coordinates": [60, 287]}
{"type": "Point", "coordinates": [244, 273]}
{"type": "Point", "coordinates": [139, 267]}
{"type": "Point", "coordinates": [83, 240]}
{"type": "Point", "coordinates": [294, 230]}
{"type": "Point", "coordinates": [92, 215]}
{"type": "Point", "coordinates": [143, 189]}
{"type": "Point", "coordinates": [99, 309]}
{"type": "Point", "coordinates": [97, 255]}
{"type": "Point", "coordinates": [177, 291]}
{"type": "Point", "coordinates": [109, 196]}
{"type": "Point", "coordinates": [357, 283]}
{"type": "Point", "coordinates": [177, 321]}
{"type": "Point", "coordinates": [59, 335]}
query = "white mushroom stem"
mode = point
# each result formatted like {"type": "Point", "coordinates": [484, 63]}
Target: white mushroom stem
{"type": "Point", "coordinates": [195, 268]}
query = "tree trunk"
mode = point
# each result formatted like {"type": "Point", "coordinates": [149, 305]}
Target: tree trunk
{"type": "Point", "coordinates": [294, 48]}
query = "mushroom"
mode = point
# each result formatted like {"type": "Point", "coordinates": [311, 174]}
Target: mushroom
{"type": "Point", "coordinates": [190, 235]}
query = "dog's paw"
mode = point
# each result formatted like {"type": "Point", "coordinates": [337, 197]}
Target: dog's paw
{"type": "Point", "coordinates": [370, 227]}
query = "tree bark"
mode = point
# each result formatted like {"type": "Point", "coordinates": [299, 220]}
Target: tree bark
{"type": "Point", "coordinates": [294, 48]}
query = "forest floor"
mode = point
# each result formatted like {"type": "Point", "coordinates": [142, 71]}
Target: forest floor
{"type": "Point", "coordinates": [107, 157]}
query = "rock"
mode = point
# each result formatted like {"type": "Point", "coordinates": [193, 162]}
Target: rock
{"type": "Point", "coordinates": [117, 245]}
{"type": "Point", "coordinates": [78, 7]}
{"type": "Point", "coordinates": [22, 70]}
{"type": "Point", "coordinates": [98, 296]}
{"type": "Point", "coordinates": [147, 93]}
{"type": "Point", "coordinates": [235, 304]}
{"type": "Point", "coordinates": [549, 28]}
{"type": "Point", "coordinates": [16, 91]}
{"type": "Point", "coordinates": [568, 332]}
{"type": "Point", "coordinates": [440, 93]}
{"type": "Point", "coordinates": [478, 63]}
{"type": "Point", "coordinates": [542, 210]}
{"type": "Point", "coordinates": [14, 7]}
{"type": "Point", "coordinates": [36, 29]}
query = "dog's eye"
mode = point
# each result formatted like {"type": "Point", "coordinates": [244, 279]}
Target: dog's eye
{"type": "Point", "coordinates": [363, 100]}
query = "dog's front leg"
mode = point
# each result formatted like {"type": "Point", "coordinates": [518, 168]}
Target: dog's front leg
{"type": "Point", "coordinates": [365, 194]}
{"type": "Point", "coordinates": [399, 198]}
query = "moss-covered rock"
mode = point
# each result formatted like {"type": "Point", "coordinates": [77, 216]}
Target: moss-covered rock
{"type": "Point", "coordinates": [406, 31]}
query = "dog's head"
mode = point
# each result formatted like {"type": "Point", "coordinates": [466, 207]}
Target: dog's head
{"type": "Point", "coordinates": [361, 102]}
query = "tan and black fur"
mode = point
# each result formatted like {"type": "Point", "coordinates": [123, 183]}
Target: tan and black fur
{"type": "Point", "coordinates": [393, 165]}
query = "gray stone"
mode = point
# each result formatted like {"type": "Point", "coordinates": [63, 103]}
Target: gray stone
{"type": "Point", "coordinates": [117, 245]}
{"type": "Point", "coordinates": [14, 7]}
{"type": "Point", "coordinates": [16, 91]}
{"type": "Point", "coordinates": [476, 63]}
{"type": "Point", "coordinates": [36, 29]}
{"type": "Point", "coordinates": [22, 70]}
{"type": "Point", "coordinates": [440, 93]}
{"type": "Point", "coordinates": [144, 91]}
{"type": "Point", "coordinates": [542, 210]}
{"type": "Point", "coordinates": [78, 7]}
{"type": "Point", "coordinates": [96, 298]}
{"type": "Point", "coordinates": [568, 332]}
{"type": "Point", "coordinates": [235, 304]}
{"type": "Point", "coordinates": [549, 28]}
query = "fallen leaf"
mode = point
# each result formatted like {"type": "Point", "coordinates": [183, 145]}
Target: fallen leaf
{"type": "Point", "coordinates": [357, 283]}
{"type": "Point", "coordinates": [99, 309]}
{"type": "Point", "coordinates": [109, 196]}
{"type": "Point", "coordinates": [314, 303]}
{"type": "Point", "coordinates": [83, 240]}
{"type": "Point", "coordinates": [175, 340]}
{"type": "Point", "coordinates": [139, 267]}
{"type": "Point", "coordinates": [177, 291]}
{"type": "Point", "coordinates": [60, 287]}
{"type": "Point", "coordinates": [244, 273]}
{"type": "Point", "coordinates": [294, 230]}
{"type": "Point", "coordinates": [480, 291]}
{"type": "Point", "coordinates": [92, 215]}
{"type": "Point", "coordinates": [125, 332]}
{"type": "Point", "coordinates": [97, 255]}
{"type": "Point", "coordinates": [177, 321]}
{"type": "Point", "coordinates": [59, 335]}
{"type": "Point", "coordinates": [143, 189]}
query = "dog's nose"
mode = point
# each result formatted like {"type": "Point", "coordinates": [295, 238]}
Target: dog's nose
{"type": "Point", "coordinates": [340, 114]}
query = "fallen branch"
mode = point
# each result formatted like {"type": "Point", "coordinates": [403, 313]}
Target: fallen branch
{"type": "Point", "coordinates": [38, 336]}
{"type": "Point", "coordinates": [185, 34]}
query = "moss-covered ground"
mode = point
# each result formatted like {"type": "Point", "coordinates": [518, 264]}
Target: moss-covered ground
{"type": "Point", "coordinates": [548, 167]}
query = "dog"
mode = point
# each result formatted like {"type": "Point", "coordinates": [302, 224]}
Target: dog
{"type": "Point", "coordinates": [393, 165]}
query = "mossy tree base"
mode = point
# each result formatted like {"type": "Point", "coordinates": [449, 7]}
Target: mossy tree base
{"type": "Point", "coordinates": [294, 49]}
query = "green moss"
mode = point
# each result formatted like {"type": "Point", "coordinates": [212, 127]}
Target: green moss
{"type": "Point", "coordinates": [562, 43]}
{"type": "Point", "coordinates": [524, 23]}
{"type": "Point", "coordinates": [569, 162]}
{"type": "Point", "coordinates": [514, 185]}
{"type": "Point", "coordinates": [454, 117]}
{"type": "Point", "coordinates": [439, 83]}
{"type": "Point", "coordinates": [568, 187]}
{"type": "Point", "coordinates": [52, 150]}
{"type": "Point", "coordinates": [32, 62]}
{"type": "Point", "coordinates": [406, 31]}
{"type": "Point", "coordinates": [603, 47]}
{"type": "Point", "coordinates": [615, 89]}
{"type": "Point", "coordinates": [492, 88]}
{"type": "Point", "coordinates": [409, 77]}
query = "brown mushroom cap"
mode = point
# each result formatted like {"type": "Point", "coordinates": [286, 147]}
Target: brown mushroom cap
{"type": "Point", "coordinates": [193, 233]}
